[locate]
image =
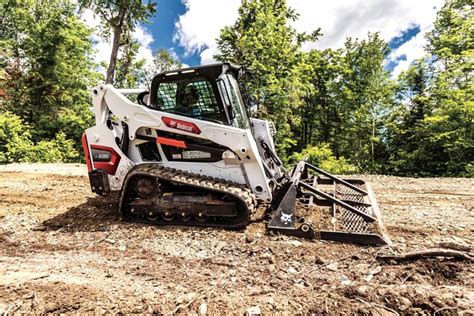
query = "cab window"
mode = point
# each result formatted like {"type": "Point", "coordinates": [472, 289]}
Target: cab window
{"type": "Point", "coordinates": [194, 98]}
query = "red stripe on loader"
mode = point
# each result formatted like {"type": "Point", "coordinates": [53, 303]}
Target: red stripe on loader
{"type": "Point", "coordinates": [171, 142]}
{"type": "Point", "coordinates": [87, 156]}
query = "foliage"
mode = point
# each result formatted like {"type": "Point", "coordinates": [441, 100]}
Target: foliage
{"type": "Point", "coordinates": [349, 96]}
{"type": "Point", "coordinates": [129, 70]}
{"type": "Point", "coordinates": [120, 17]}
{"type": "Point", "coordinates": [132, 72]}
{"type": "Point", "coordinates": [434, 131]}
{"type": "Point", "coordinates": [16, 144]}
{"type": "Point", "coordinates": [163, 60]}
{"type": "Point", "coordinates": [335, 96]}
{"type": "Point", "coordinates": [450, 124]}
{"type": "Point", "coordinates": [420, 124]}
{"type": "Point", "coordinates": [367, 91]}
{"type": "Point", "coordinates": [58, 149]}
{"type": "Point", "coordinates": [320, 111]}
{"type": "Point", "coordinates": [402, 135]}
{"type": "Point", "coordinates": [15, 140]}
{"type": "Point", "coordinates": [48, 68]}
{"type": "Point", "coordinates": [323, 157]}
{"type": "Point", "coordinates": [262, 41]}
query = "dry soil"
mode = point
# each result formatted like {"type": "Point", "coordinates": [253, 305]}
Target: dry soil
{"type": "Point", "coordinates": [63, 250]}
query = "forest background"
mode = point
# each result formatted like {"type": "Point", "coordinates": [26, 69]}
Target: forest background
{"type": "Point", "coordinates": [341, 108]}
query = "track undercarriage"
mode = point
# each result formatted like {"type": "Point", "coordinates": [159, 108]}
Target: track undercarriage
{"type": "Point", "coordinates": [159, 195]}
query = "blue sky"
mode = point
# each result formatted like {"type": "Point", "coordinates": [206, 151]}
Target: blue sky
{"type": "Point", "coordinates": [396, 42]}
{"type": "Point", "coordinates": [189, 27]}
{"type": "Point", "coordinates": [162, 28]}
{"type": "Point", "coordinates": [406, 35]}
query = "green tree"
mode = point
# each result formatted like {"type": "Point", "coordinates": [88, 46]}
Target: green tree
{"type": "Point", "coordinates": [349, 98]}
{"type": "Point", "coordinates": [262, 41]}
{"type": "Point", "coordinates": [320, 113]}
{"type": "Point", "coordinates": [120, 18]}
{"type": "Point", "coordinates": [434, 134]}
{"type": "Point", "coordinates": [47, 67]}
{"type": "Point", "coordinates": [449, 127]}
{"type": "Point", "coordinates": [15, 139]}
{"type": "Point", "coordinates": [403, 137]}
{"type": "Point", "coordinates": [16, 144]}
{"type": "Point", "coordinates": [323, 157]}
{"type": "Point", "coordinates": [163, 60]}
{"type": "Point", "coordinates": [129, 69]}
{"type": "Point", "coordinates": [367, 95]}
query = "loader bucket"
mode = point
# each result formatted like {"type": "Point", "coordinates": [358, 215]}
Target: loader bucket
{"type": "Point", "coordinates": [347, 209]}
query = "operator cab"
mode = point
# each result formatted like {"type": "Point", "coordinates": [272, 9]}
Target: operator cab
{"type": "Point", "coordinates": [209, 93]}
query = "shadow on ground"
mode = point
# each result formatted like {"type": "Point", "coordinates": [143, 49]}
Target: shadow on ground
{"type": "Point", "coordinates": [97, 214]}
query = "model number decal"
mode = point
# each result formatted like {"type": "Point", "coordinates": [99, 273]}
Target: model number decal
{"type": "Point", "coordinates": [196, 154]}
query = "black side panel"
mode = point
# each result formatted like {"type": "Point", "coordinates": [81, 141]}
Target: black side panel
{"type": "Point", "coordinates": [149, 151]}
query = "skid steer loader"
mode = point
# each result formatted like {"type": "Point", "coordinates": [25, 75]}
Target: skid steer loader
{"type": "Point", "coordinates": [188, 153]}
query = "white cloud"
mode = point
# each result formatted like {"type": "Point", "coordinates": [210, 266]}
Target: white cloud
{"type": "Point", "coordinates": [339, 19]}
{"type": "Point", "coordinates": [198, 27]}
{"type": "Point", "coordinates": [207, 55]}
{"type": "Point", "coordinates": [90, 18]}
{"type": "Point", "coordinates": [412, 50]}
{"type": "Point", "coordinates": [103, 47]}
{"type": "Point", "coordinates": [144, 37]}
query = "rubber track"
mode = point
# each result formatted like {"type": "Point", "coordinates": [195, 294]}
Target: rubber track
{"type": "Point", "coordinates": [237, 190]}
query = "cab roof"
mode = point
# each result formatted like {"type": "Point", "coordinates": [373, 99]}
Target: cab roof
{"type": "Point", "coordinates": [212, 71]}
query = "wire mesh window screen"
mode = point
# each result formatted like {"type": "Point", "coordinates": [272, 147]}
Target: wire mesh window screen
{"type": "Point", "coordinates": [167, 96]}
{"type": "Point", "coordinates": [193, 98]}
{"type": "Point", "coordinates": [207, 101]}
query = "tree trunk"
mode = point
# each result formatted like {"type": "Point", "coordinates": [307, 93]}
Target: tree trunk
{"type": "Point", "coordinates": [127, 62]}
{"type": "Point", "coordinates": [116, 44]}
{"type": "Point", "coordinates": [372, 142]}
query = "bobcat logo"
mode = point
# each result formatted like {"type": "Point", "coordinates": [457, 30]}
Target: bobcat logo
{"type": "Point", "coordinates": [286, 218]}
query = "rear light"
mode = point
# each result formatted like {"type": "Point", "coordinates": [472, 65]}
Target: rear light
{"type": "Point", "coordinates": [105, 158]}
{"type": "Point", "coordinates": [87, 156]}
{"type": "Point", "coordinates": [181, 125]}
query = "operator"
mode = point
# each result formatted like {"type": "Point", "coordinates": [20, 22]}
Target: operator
{"type": "Point", "coordinates": [190, 100]}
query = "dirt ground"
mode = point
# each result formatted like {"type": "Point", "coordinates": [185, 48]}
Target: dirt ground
{"type": "Point", "coordinates": [63, 250]}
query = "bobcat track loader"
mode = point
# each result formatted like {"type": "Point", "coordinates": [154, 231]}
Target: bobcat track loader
{"type": "Point", "coordinates": [187, 153]}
